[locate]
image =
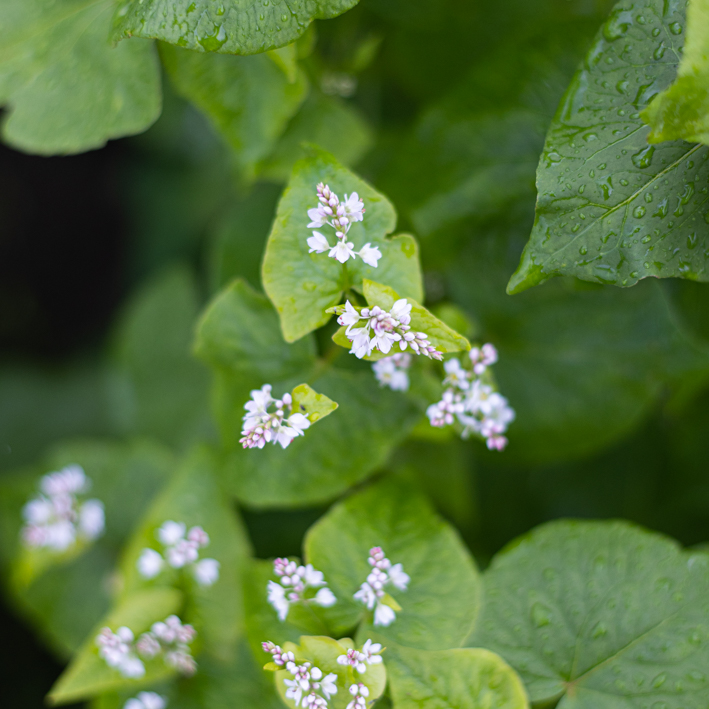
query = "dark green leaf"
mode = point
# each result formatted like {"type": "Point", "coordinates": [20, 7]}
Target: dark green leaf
{"type": "Point", "coordinates": [600, 614]}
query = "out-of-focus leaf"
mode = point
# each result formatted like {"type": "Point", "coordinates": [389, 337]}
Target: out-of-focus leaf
{"type": "Point", "coordinates": [165, 392]}
{"type": "Point", "coordinates": [248, 99]}
{"type": "Point", "coordinates": [67, 89]}
{"type": "Point", "coordinates": [464, 678]}
{"type": "Point", "coordinates": [195, 499]}
{"type": "Point", "coordinates": [611, 208]}
{"type": "Point", "coordinates": [286, 59]}
{"type": "Point", "coordinates": [443, 596]}
{"type": "Point", "coordinates": [325, 121]}
{"type": "Point", "coordinates": [89, 675]}
{"type": "Point", "coordinates": [600, 614]}
{"type": "Point", "coordinates": [581, 365]}
{"type": "Point", "coordinates": [680, 112]}
{"type": "Point", "coordinates": [303, 285]}
{"type": "Point", "coordinates": [230, 27]}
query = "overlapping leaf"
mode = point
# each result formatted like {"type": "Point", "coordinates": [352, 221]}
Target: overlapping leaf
{"type": "Point", "coordinates": [611, 208]}
{"type": "Point", "coordinates": [303, 285]}
{"type": "Point", "coordinates": [680, 112]}
{"type": "Point", "coordinates": [248, 99]}
{"type": "Point", "coordinates": [443, 596]}
{"type": "Point", "coordinates": [228, 26]}
{"type": "Point", "coordinates": [600, 614]}
{"type": "Point", "coordinates": [67, 89]}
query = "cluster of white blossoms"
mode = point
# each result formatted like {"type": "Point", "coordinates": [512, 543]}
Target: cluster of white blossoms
{"type": "Point", "coordinates": [372, 592]}
{"type": "Point", "coordinates": [392, 372]}
{"type": "Point", "coordinates": [146, 700]}
{"type": "Point", "coordinates": [170, 639]}
{"type": "Point", "coordinates": [474, 404]}
{"type": "Point", "coordinates": [340, 216]}
{"type": "Point", "coordinates": [297, 584]}
{"type": "Point", "coordinates": [57, 519]}
{"type": "Point", "coordinates": [181, 550]}
{"type": "Point", "coordinates": [358, 660]}
{"type": "Point", "coordinates": [280, 426]}
{"type": "Point", "coordinates": [370, 329]}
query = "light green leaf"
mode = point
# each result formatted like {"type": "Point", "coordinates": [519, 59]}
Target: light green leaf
{"type": "Point", "coordinates": [680, 112]}
{"type": "Point", "coordinates": [611, 208]}
{"type": "Point", "coordinates": [248, 99]}
{"type": "Point", "coordinates": [303, 285]}
{"type": "Point", "coordinates": [194, 498]}
{"type": "Point", "coordinates": [229, 26]}
{"type": "Point", "coordinates": [326, 121]}
{"type": "Point", "coordinates": [315, 406]}
{"type": "Point", "coordinates": [165, 391]}
{"type": "Point", "coordinates": [338, 452]}
{"type": "Point", "coordinates": [448, 679]}
{"type": "Point", "coordinates": [239, 333]}
{"type": "Point", "coordinates": [443, 596]}
{"type": "Point", "coordinates": [286, 59]}
{"type": "Point", "coordinates": [89, 675]}
{"type": "Point", "coordinates": [67, 89]}
{"type": "Point", "coordinates": [600, 614]}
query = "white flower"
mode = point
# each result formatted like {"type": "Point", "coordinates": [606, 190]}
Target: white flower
{"type": "Point", "coordinates": [198, 536]}
{"type": "Point", "coordinates": [150, 563]}
{"type": "Point", "coordinates": [371, 652]}
{"type": "Point", "coordinates": [327, 686]}
{"type": "Point", "coordinates": [131, 667]}
{"type": "Point", "coordinates": [360, 343]}
{"type": "Point", "coordinates": [391, 371]}
{"type": "Point", "coordinates": [311, 576]}
{"type": "Point", "coordinates": [401, 311]}
{"type": "Point", "coordinates": [354, 207]}
{"type": "Point", "coordinates": [70, 480]}
{"type": "Point", "coordinates": [261, 399]}
{"type": "Point", "coordinates": [206, 571]}
{"type": "Point", "coordinates": [366, 595]}
{"type": "Point", "coordinates": [350, 316]}
{"type": "Point", "coordinates": [456, 375]}
{"type": "Point", "coordinates": [277, 598]}
{"type": "Point", "coordinates": [370, 254]}
{"type": "Point", "coordinates": [342, 251]}
{"type": "Point", "coordinates": [146, 700]}
{"type": "Point", "coordinates": [353, 658]}
{"type": "Point", "coordinates": [60, 535]}
{"type": "Point", "coordinates": [398, 577]}
{"type": "Point", "coordinates": [325, 598]}
{"type": "Point", "coordinates": [171, 532]}
{"type": "Point", "coordinates": [294, 691]}
{"type": "Point", "coordinates": [318, 243]}
{"type": "Point", "coordinates": [92, 519]}
{"type": "Point", "coordinates": [384, 615]}
{"type": "Point", "coordinates": [299, 422]}
{"type": "Point", "coordinates": [38, 511]}
{"type": "Point", "coordinates": [182, 553]}
{"type": "Point", "coordinates": [319, 216]}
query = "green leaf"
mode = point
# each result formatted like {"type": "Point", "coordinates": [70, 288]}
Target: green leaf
{"type": "Point", "coordinates": [339, 452]}
{"type": "Point", "coordinates": [165, 392]}
{"type": "Point", "coordinates": [315, 406]}
{"type": "Point", "coordinates": [67, 89]}
{"type": "Point", "coordinates": [443, 337]}
{"type": "Point", "coordinates": [680, 111]}
{"type": "Point", "coordinates": [600, 614]}
{"type": "Point", "coordinates": [239, 333]}
{"type": "Point", "coordinates": [194, 498]}
{"type": "Point", "coordinates": [248, 99]}
{"type": "Point", "coordinates": [464, 679]}
{"type": "Point", "coordinates": [89, 675]}
{"type": "Point", "coordinates": [611, 208]}
{"type": "Point", "coordinates": [326, 121]}
{"type": "Point", "coordinates": [303, 285]}
{"type": "Point", "coordinates": [286, 59]}
{"type": "Point", "coordinates": [230, 27]}
{"type": "Point", "coordinates": [443, 596]}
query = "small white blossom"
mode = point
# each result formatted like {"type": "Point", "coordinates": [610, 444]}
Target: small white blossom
{"type": "Point", "coordinates": [392, 371]}
{"type": "Point", "coordinates": [360, 692]}
{"type": "Point", "coordinates": [353, 658]}
{"type": "Point", "coordinates": [296, 584]}
{"type": "Point", "coordinates": [171, 532]}
{"type": "Point", "coordinates": [117, 650]}
{"type": "Point", "coordinates": [308, 683]}
{"type": "Point", "coordinates": [342, 251]}
{"type": "Point", "coordinates": [318, 243]}
{"type": "Point", "coordinates": [146, 700]}
{"type": "Point", "coordinates": [150, 563]}
{"type": "Point", "coordinates": [279, 657]}
{"type": "Point", "coordinates": [370, 254]}
{"type": "Point", "coordinates": [57, 519]}
{"type": "Point", "coordinates": [206, 572]}
{"type": "Point", "coordinates": [371, 651]}
{"type": "Point", "coordinates": [325, 598]}
{"type": "Point", "coordinates": [171, 638]}
{"type": "Point", "coordinates": [277, 598]}
{"type": "Point", "coordinates": [483, 357]}
{"type": "Point", "coordinates": [280, 426]}
{"type": "Point", "coordinates": [371, 593]}
{"type": "Point", "coordinates": [384, 615]}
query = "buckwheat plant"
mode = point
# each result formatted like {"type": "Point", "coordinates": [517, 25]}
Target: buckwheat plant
{"type": "Point", "coordinates": [146, 700]}
{"type": "Point", "coordinates": [118, 650]}
{"type": "Point", "coordinates": [180, 550]}
{"type": "Point", "coordinates": [280, 426]}
{"type": "Point", "coordinates": [340, 216]}
{"type": "Point", "coordinates": [297, 584]}
{"type": "Point", "coordinates": [392, 372]}
{"type": "Point", "coordinates": [359, 659]}
{"type": "Point", "coordinates": [171, 639]}
{"type": "Point", "coordinates": [370, 329]}
{"type": "Point", "coordinates": [57, 519]}
{"type": "Point", "coordinates": [372, 594]}
{"type": "Point", "coordinates": [470, 399]}
{"type": "Point", "coordinates": [309, 685]}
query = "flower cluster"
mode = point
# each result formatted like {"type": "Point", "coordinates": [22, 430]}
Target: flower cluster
{"type": "Point", "coordinates": [474, 404]}
{"type": "Point", "coordinates": [358, 660]}
{"type": "Point", "coordinates": [146, 700]}
{"type": "Point", "coordinates": [372, 592]}
{"type": "Point", "coordinates": [170, 638]}
{"type": "Point", "coordinates": [381, 329]}
{"type": "Point", "coordinates": [280, 426]}
{"type": "Point", "coordinates": [392, 371]}
{"type": "Point", "coordinates": [181, 550]}
{"type": "Point", "coordinates": [56, 519]}
{"type": "Point", "coordinates": [297, 584]}
{"type": "Point", "coordinates": [340, 216]}
{"type": "Point", "coordinates": [309, 685]}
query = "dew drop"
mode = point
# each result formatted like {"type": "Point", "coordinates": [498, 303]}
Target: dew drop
{"type": "Point", "coordinates": [676, 28]}
{"type": "Point", "coordinates": [643, 158]}
{"type": "Point", "coordinates": [583, 251]}
{"type": "Point", "coordinates": [639, 212]}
